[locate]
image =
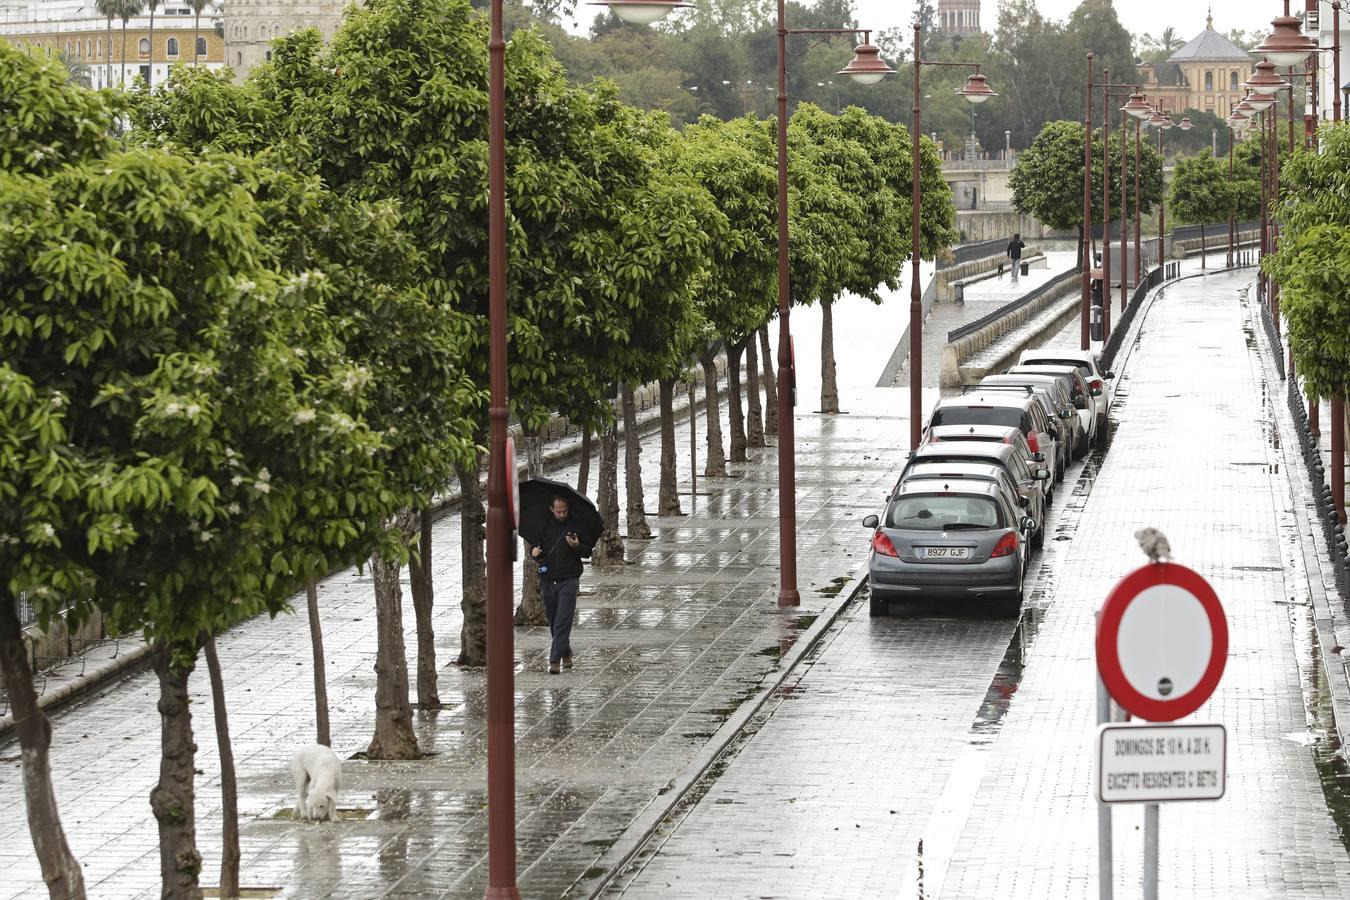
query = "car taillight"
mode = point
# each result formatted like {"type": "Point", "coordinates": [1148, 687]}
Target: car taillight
{"type": "Point", "coordinates": [1095, 384]}
{"type": "Point", "coordinates": [882, 544]}
{"type": "Point", "coordinates": [1033, 442]}
{"type": "Point", "coordinates": [1006, 546]}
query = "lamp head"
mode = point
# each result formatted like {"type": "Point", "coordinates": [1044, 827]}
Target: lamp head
{"type": "Point", "coordinates": [641, 12]}
{"type": "Point", "coordinates": [1265, 80]}
{"type": "Point", "coordinates": [977, 89]}
{"type": "Point", "coordinates": [866, 66]}
{"type": "Point", "coordinates": [1286, 45]}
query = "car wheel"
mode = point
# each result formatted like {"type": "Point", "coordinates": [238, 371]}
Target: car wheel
{"type": "Point", "coordinates": [1101, 434]}
{"type": "Point", "coordinates": [877, 608]}
{"type": "Point", "coordinates": [1038, 537]}
{"type": "Point", "coordinates": [1010, 607]}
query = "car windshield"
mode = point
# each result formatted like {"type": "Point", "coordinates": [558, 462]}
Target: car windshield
{"type": "Point", "coordinates": [943, 512]}
{"type": "Point", "coordinates": [1076, 363]}
{"type": "Point", "coordinates": [1007, 416]}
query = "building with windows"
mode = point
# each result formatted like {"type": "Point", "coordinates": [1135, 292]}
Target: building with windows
{"type": "Point", "coordinates": [1205, 74]}
{"type": "Point", "coordinates": [75, 28]}
{"type": "Point", "coordinates": [252, 25]}
{"type": "Point", "coordinates": [1321, 28]}
{"type": "Point", "coordinates": [958, 18]}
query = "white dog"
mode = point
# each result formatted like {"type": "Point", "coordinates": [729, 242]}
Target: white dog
{"type": "Point", "coordinates": [318, 778]}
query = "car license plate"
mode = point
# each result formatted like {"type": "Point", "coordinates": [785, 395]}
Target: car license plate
{"type": "Point", "coordinates": [943, 552]}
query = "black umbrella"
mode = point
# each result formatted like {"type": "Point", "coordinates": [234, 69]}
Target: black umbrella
{"type": "Point", "coordinates": [536, 502]}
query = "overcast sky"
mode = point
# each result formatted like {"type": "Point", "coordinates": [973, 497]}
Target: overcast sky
{"type": "Point", "coordinates": [1139, 16]}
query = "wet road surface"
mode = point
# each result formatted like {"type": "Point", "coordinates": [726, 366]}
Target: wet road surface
{"type": "Point", "coordinates": [951, 757]}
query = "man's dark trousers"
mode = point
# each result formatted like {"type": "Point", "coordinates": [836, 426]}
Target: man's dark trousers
{"type": "Point", "coordinates": [560, 602]}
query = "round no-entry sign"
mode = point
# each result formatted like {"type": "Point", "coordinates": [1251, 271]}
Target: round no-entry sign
{"type": "Point", "coordinates": [1162, 641]}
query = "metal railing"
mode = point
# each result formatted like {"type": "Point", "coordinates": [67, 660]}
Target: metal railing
{"type": "Point", "coordinates": [1008, 308]}
{"type": "Point", "coordinates": [971, 252]}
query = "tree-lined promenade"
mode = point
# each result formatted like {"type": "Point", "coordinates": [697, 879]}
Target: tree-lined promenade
{"type": "Point", "coordinates": [245, 341]}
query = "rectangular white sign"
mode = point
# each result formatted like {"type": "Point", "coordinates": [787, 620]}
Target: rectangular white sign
{"type": "Point", "coordinates": [1158, 763]}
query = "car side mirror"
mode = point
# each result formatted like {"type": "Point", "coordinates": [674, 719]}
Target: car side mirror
{"type": "Point", "coordinates": [1028, 523]}
{"type": "Point", "coordinates": [1023, 501]}
{"type": "Point", "coordinates": [1110, 374]}
{"type": "Point", "coordinates": [1038, 456]}
{"type": "Point", "coordinates": [1054, 433]}
{"type": "Point", "coordinates": [1042, 474]}
{"type": "Point", "coordinates": [1066, 414]}
{"type": "Point", "coordinates": [871, 522]}
{"type": "Point", "coordinates": [1096, 392]}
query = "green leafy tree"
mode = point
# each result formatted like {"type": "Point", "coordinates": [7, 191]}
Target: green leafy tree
{"type": "Point", "coordinates": [1312, 263]}
{"type": "Point", "coordinates": [1200, 193]}
{"type": "Point", "coordinates": [1047, 180]}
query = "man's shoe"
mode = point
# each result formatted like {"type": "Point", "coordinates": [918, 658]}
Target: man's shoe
{"type": "Point", "coordinates": [553, 669]}
{"type": "Point", "coordinates": [567, 662]}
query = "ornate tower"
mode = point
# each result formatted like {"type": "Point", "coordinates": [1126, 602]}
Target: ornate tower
{"type": "Point", "coordinates": [251, 25]}
{"type": "Point", "coordinates": [959, 17]}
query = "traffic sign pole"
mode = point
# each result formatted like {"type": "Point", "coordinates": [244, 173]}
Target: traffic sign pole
{"type": "Point", "coordinates": [1162, 642]}
{"type": "Point", "coordinates": [1105, 867]}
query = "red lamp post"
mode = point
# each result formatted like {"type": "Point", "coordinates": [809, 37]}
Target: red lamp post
{"type": "Point", "coordinates": [866, 67]}
{"type": "Point", "coordinates": [1085, 280]}
{"type": "Point", "coordinates": [1138, 110]}
{"type": "Point", "coordinates": [976, 90]}
{"type": "Point", "coordinates": [500, 638]}
{"type": "Point", "coordinates": [1107, 95]}
{"type": "Point", "coordinates": [1161, 122]}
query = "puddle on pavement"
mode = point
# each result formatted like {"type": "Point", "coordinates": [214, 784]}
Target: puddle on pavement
{"type": "Point", "coordinates": [998, 698]}
{"type": "Point", "coordinates": [344, 814]}
{"type": "Point", "coordinates": [245, 893]}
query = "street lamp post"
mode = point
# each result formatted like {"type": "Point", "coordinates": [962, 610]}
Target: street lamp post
{"type": "Point", "coordinates": [976, 90]}
{"type": "Point", "coordinates": [1162, 122]}
{"type": "Point", "coordinates": [1085, 279]}
{"type": "Point", "coordinates": [501, 754]}
{"type": "Point", "coordinates": [1107, 95]}
{"type": "Point", "coordinates": [866, 67]}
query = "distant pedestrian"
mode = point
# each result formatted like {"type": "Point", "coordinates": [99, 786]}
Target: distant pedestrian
{"type": "Point", "coordinates": [1015, 254]}
{"type": "Point", "coordinates": [559, 555]}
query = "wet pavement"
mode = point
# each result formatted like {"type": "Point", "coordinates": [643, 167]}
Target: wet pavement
{"type": "Point", "coordinates": [938, 756]}
{"type": "Point", "coordinates": [667, 648]}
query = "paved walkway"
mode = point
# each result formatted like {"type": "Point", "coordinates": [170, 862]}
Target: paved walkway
{"type": "Point", "coordinates": [940, 757]}
{"type": "Point", "coordinates": [668, 647]}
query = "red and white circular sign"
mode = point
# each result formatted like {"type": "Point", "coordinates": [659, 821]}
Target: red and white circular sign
{"type": "Point", "coordinates": [1162, 642]}
{"type": "Point", "coordinates": [512, 482]}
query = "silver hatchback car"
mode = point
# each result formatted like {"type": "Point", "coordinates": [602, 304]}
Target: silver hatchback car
{"type": "Point", "coordinates": [960, 541]}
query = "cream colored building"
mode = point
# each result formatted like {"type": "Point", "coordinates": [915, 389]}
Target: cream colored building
{"type": "Point", "coordinates": [252, 25]}
{"type": "Point", "coordinates": [76, 28]}
{"type": "Point", "coordinates": [1206, 74]}
{"type": "Point", "coordinates": [958, 17]}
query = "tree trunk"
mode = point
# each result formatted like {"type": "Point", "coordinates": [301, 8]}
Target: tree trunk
{"type": "Point", "coordinates": [770, 385]}
{"type": "Point", "coordinates": [60, 870]}
{"type": "Point", "coordinates": [735, 409]}
{"type": "Point", "coordinates": [668, 503]}
{"type": "Point", "coordinates": [584, 471]}
{"type": "Point", "coordinates": [124, 54]}
{"type": "Point", "coordinates": [320, 670]}
{"type": "Point", "coordinates": [229, 790]}
{"type": "Point", "coordinates": [423, 587]}
{"type": "Point", "coordinates": [394, 737]}
{"type": "Point", "coordinates": [172, 798]}
{"type": "Point", "coordinates": [754, 419]}
{"type": "Point", "coordinates": [1080, 247]}
{"type": "Point", "coordinates": [150, 67]}
{"type": "Point", "coordinates": [609, 549]}
{"type": "Point", "coordinates": [638, 529]}
{"type": "Point", "coordinates": [531, 610]}
{"type": "Point", "coordinates": [473, 566]}
{"type": "Point", "coordinates": [715, 466]}
{"type": "Point", "coordinates": [829, 385]}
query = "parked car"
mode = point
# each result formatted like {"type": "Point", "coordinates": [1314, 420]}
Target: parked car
{"type": "Point", "coordinates": [1058, 405]}
{"type": "Point", "coordinates": [1009, 409]}
{"type": "Point", "coordinates": [1079, 393]}
{"type": "Point", "coordinates": [1099, 383]}
{"type": "Point", "coordinates": [1005, 456]}
{"type": "Point", "coordinates": [998, 434]}
{"type": "Point", "coordinates": [964, 542]}
{"type": "Point", "coordinates": [971, 472]}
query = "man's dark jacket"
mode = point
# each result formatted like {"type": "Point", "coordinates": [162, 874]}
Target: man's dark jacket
{"type": "Point", "coordinates": [563, 561]}
{"type": "Point", "coordinates": [1015, 248]}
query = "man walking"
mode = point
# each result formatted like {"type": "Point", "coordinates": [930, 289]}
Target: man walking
{"type": "Point", "coordinates": [1015, 254]}
{"type": "Point", "coordinates": [559, 555]}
